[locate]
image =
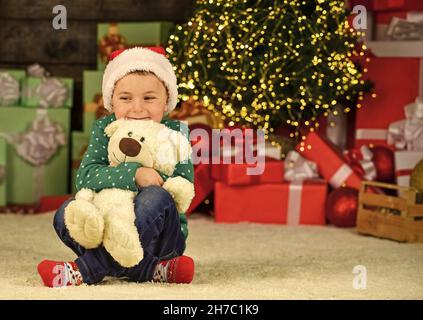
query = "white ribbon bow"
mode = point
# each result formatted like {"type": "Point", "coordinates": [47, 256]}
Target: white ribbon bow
{"type": "Point", "coordinates": [297, 168]}
{"type": "Point", "coordinates": [41, 142]}
{"type": "Point", "coordinates": [9, 89]}
{"type": "Point", "coordinates": [408, 134]}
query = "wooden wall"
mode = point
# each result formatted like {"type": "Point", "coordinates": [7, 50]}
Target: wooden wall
{"type": "Point", "coordinates": [27, 35]}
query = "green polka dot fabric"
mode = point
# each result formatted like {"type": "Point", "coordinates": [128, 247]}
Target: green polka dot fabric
{"type": "Point", "coordinates": [94, 172]}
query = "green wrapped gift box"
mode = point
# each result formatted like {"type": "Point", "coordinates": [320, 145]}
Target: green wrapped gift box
{"type": "Point", "coordinates": [79, 146]}
{"type": "Point", "coordinates": [88, 119]}
{"type": "Point", "coordinates": [18, 75]}
{"type": "Point", "coordinates": [48, 92]}
{"type": "Point", "coordinates": [36, 170]}
{"type": "Point", "coordinates": [91, 86]}
{"type": "Point", "coordinates": [113, 36]}
{"type": "Point", "coordinates": [2, 172]}
{"type": "Point", "coordinates": [91, 91]}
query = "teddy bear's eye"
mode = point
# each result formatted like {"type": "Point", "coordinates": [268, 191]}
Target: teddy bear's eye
{"type": "Point", "coordinates": [142, 139]}
{"type": "Point", "coordinates": [130, 134]}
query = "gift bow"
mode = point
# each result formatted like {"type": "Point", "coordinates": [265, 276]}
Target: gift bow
{"type": "Point", "coordinates": [401, 29]}
{"type": "Point", "coordinates": [41, 142]}
{"type": "Point", "coordinates": [37, 70]}
{"type": "Point", "coordinates": [408, 133]}
{"type": "Point", "coordinates": [51, 92]}
{"type": "Point", "coordinates": [361, 161]}
{"type": "Point", "coordinates": [297, 168]}
{"type": "Point", "coordinates": [9, 89]}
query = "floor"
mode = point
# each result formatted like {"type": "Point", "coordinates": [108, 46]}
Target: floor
{"type": "Point", "coordinates": [233, 261]}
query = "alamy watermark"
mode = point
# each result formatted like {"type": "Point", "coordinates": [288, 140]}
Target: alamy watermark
{"type": "Point", "coordinates": [60, 20]}
{"type": "Point", "coordinates": [246, 149]}
{"type": "Point", "coordinates": [360, 20]}
{"type": "Point", "coordinates": [360, 278]}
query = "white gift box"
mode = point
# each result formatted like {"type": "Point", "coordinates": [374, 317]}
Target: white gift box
{"type": "Point", "coordinates": [405, 161]}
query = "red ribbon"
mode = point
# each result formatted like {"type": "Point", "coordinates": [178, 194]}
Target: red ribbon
{"type": "Point", "coordinates": [404, 172]}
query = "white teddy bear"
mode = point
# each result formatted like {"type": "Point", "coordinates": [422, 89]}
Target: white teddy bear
{"type": "Point", "coordinates": [108, 217]}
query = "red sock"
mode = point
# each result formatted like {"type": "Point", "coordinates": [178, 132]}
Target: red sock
{"type": "Point", "coordinates": [59, 273]}
{"type": "Point", "coordinates": [176, 270]}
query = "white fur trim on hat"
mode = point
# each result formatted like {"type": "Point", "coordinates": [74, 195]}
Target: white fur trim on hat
{"type": "Point", "coordinates": [139, 59]}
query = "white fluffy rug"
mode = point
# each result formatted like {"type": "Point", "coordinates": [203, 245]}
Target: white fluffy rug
{"type": "Point", "coordinates": [238, 261]}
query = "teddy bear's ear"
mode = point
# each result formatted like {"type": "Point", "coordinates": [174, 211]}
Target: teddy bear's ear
{"type": "Point", "coordinates": [111, 128]}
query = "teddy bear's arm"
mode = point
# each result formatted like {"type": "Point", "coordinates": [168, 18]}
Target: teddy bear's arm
{"type": "Point", "coordinates": [95, 173]}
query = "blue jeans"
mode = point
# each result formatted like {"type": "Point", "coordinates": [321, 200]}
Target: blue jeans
{"type": "Point", "coordinates": [157, 221]}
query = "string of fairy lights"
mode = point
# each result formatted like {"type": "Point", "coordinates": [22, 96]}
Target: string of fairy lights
{"type": "Point", "coordinates": [268, 63]}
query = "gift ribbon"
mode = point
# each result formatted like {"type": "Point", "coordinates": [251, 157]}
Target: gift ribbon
{"type": "Point", "coordinates": [37, 146]}
{"type": "Point", "coordinates": [401, 29]}
{"type": "Point", "coordinates": [41, 142]}
{"type": "Point", "coordinates": [340, 176]}
{"type": "Point", "coordinates": [297, 168]}
{"type": "Point", "coordinates": [408, 134]}
{"type": "Point", "coordinates": [361, 162]}
{"type": "Point", "coordinates": [396, 135]}
{"type": "Point", "coordinates": [51, 92]}
{"type": "Point", "coordinates": [294, 203]}
{"type": "Point", "coordinates": [371, 134]}
{"type": "Point", "coordinates": [9, 89]}
{"type": "Point", "coordinates": [404, 172]}
{"type": "Point", "coordinates": [37, 70]}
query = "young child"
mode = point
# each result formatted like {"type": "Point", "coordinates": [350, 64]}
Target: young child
{"type": "Point", "coordinates": [138, 83]}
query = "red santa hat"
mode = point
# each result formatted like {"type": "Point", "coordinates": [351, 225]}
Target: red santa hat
{"type": "Point", "coordinates": [152, 59]}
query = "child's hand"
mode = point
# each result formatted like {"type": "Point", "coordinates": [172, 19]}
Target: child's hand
{"type": "Point", "coordinates": [147, 177]}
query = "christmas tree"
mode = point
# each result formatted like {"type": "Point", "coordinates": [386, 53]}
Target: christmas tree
{"type": "Point", "coordinates": [269, 63]}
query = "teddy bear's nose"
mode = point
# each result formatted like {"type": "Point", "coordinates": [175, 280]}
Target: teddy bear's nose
{"type": "Point", "coordinates": [129, 147]}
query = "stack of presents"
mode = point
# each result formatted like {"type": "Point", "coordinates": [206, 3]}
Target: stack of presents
{"type": "Point", "coordinates": [35, 110]}
{"type": "Point", "coordinates": [39, 154]}
{"type": "Point", "coordinates": [293, 184]}
{"type": "Point", "coordinates": [294, 190]}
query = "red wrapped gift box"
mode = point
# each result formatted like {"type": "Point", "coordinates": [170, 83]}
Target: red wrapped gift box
{"type": "Point", "coordinates": [235, 174]}
{"type": "Point", "coordinates": [387, 5]}
{"type": "Point", "coordinates": [285, 203]}
{"type": "Point", "coordinates": [376, 114]}
{"type": "Point", "coordinates": [52, 203]}
{"type": "Point", "coordinates": [331, 164]}
{"type": "Point", "coordinates": [203, 185]}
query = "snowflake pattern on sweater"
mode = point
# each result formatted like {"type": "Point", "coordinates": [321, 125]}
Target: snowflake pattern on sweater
{"type": "Point", "coordinates": [95, 173]}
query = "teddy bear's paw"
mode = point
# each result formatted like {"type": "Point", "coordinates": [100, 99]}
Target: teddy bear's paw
{"type": "Point", "coordinates": [182, 192]}
{"type": "Point", "coordinates": [84, 223]}
{"type": "Point", "coordinates": [123, 244]}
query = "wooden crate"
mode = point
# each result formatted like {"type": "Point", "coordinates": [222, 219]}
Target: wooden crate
{"type": "Point", "coordinates": [398, 218]}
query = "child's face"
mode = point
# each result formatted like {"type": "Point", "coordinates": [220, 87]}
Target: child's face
{"type": "Point", "coordinates": [139, 96]}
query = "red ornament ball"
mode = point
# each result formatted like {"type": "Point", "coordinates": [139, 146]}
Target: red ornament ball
{"type": "Point", "coordinates": [383, 158]}
{"type": "Point", "coordinates": [341, 207]}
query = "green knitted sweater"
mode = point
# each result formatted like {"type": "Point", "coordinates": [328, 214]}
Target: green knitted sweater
{"type": "Point", "coordinates": [94, 172]}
